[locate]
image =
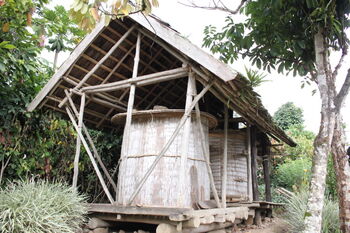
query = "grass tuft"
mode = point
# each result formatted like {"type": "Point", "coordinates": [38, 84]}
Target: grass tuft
{"type": "Point", "coordinates": [41, 207]}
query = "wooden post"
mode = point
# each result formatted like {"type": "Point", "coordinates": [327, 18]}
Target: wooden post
{"type": "Point", "coordinates": [103, 59]}
{"type": "Point", "coordinates": [172, 138]}
{"type": "Point", "coordinates": [249, 163]}
{"type": "Point", "coordinates": [205, 150]}
{"type": "Point", "coordinates": [266, 168]}
{"type": "Point", "coordinates": [254, 153]}
{"type": "Point", "coordinates": [185, 141]}
{"type": "Point", "coordinates": [78, 146]}
{"type": "Point", "coordinates": [224, 173]}
{"type": "Point", "coordinates": [126, 134]}
{"type": "Point", "coordinates": [99, 175]}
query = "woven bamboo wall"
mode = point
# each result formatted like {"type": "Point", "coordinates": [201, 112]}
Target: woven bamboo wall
{"type": "Point", "coordinates": [148, 135]}
{"type": "Point", "coordinates": [237, 175]}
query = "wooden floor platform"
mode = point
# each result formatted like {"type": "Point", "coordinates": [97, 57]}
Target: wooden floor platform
{"type": "Point", "coordinates": [182, 219]}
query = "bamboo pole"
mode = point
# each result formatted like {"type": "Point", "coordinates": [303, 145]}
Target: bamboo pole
{"type": "Point", "coordinates": [78, 146]}
{"type": "Point", "coordinates": [224, 173]}
{"type": "Point", "coordinates": [185, 141]}
{"type": "Point", "coordinates": [97, 156]}
{"type": "Point", "coordinates": [172, 138]}
{"type": "Point", "coordinates": [206, 153]}
{"type": "Point", "coordinates": [103, 59]}
{"type": "Point", "coordinates": [126, 134]}
{"type": "Point", "coordinates": [139, 81]}
{"type": "Point", "coordinates": [99, 175]}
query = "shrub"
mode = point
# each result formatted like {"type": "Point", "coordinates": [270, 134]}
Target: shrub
{"type": "Point", "coordinates": [293, 174]}
{"type": "Point", "coordinates": [296, 206]}
{"type": "Point", "coordinates": [40, 207]}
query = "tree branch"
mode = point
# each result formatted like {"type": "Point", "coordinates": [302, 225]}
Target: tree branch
{"type": "Point", "coordinates": [216, 6]}
{"type": "Point", "coordinates": [340, 63]}
{"type": "Point", "coordinates": [344, 91]}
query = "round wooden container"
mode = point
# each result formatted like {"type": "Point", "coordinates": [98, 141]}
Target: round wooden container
{"type": "Point", "coordinates": [150, 131]}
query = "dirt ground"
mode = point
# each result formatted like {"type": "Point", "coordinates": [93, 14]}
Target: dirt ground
{"type": "Point", "coordinates": [274, 225]}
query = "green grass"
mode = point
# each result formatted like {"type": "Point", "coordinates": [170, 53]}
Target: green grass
{"type": "Point", "coordinates": [40, 207]}
{"type": "Point", "coordinates": [296, 206]}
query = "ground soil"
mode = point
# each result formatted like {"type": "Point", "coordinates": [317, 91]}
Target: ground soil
{"type": "Point", "coordinates": [274, 225]}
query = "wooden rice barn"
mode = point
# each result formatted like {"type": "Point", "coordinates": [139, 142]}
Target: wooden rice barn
{"type": "Point", "coordinates": [186, 164]}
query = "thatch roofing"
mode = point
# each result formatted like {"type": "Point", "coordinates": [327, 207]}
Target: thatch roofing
{"type": "Point", "coordinates": [162, 48]}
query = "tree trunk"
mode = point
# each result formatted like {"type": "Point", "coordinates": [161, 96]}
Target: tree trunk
{"type": "Point", "coordinates": [322, 144]}
{"type": "Point", "coordinates": [55, 60]}
{"type": "Point", "coordinates": [342, 171]}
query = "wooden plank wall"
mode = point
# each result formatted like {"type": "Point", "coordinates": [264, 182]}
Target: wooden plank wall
{"type": "Point", "coordinates": [237, 179]}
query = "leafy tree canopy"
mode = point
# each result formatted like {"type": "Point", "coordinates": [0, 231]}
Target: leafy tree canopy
{"type": "Point", "coordinates": [288, 115]}
{"type": "Point", "coordinates": [278, 41]}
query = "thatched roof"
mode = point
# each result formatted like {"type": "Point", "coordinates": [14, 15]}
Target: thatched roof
{"type": "Point", "coordinates": [162, 48]}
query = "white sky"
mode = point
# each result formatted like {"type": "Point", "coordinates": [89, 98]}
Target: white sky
{"type": "Point", "coordinates": [190, 22]}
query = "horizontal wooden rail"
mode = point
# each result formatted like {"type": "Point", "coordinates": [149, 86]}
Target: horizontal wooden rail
{"type": "Point", "coordinates": [139, 81]}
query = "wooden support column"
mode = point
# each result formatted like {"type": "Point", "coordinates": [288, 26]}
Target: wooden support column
{"type": "Point", "coordinates": [266, 169]}
{"type": "Point", "coordinates": [224, 173]}
{"type": "Point", "coordinates": [170, 141]}
{"type": "Point", "coordinates": [249, 163]}
{"type": "Point", "coordinates": [103, 59]}
{"type": "Point", "coordinates": [205, 150]}
{"type": "Point", "coordinates": [185, 143]}
{"type": "Point", "coordinates": [98, 173]}
{"type": "Point", "coordinates": [126, 134]}
{"type": "Point", "coordinates": [78, 146]}
{"type": "Point", "coordinates": [254, 154]}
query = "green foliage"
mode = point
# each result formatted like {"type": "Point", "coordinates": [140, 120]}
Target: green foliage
{"type": "Point", "coordinates": [288, 115]}
{"type": "Point", "coordinates": [40, 207]}
{"type": "Point", "coordinates": [304, 139]}
{"type": "Point", "coordinates": [86, 13]}
{"type": "Point", "coordinates": [40, 143]}
{"type": "Point", "coordinates": [62, 33]}
{"type": "Point", "coordinates": [280, 34]}
{"type": "Point", "coordinates": [296, 211]}
{"type": "Point", "coordinates": [293, 174]}
{"type": "Point", "coordinates": [254, 77]}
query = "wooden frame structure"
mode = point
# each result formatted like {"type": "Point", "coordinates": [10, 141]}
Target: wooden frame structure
{"type": "Point", "coordinates": [150, 63]}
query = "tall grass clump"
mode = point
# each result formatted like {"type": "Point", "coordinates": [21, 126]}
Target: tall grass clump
{"type": "Point", "coordinates": [296, 206]}
{"type": "Point", "coordinates": [41, 207]}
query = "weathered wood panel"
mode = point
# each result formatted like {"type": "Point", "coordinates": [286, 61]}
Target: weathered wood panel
{"type": "Point", "coordinates": [148, 135]}
{"type": "Point", "coordinates": [237, 179]}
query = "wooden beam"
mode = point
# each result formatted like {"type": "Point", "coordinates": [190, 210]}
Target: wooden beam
{"type": "Point", "coordinates": [139, 81]}
{"type": "Point", "coordinates": [103, 59]}
{"type": "Point", "coordinates": [99, 175]}
{"type": "Point", "coordinates": [206, 153]}
{"type": "Point", "coordinates": [185, 143]}
{"type": "Point", "coordinates": [170, 141]}
{"type": "Point", "coordinates": [254, 154]}
{"type": "Point", "coordinates": [224, 173]}
{"type": "Point", "coordinates": [78, 146]}
{"type": "Point", "coordinates": [267, 181]}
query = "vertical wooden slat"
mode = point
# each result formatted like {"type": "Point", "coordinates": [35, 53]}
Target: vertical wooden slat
{"type": "Point", "coordinates": [266, 169]}
{"type": "Point", "coordinates": [224, 173]}
{"type": "Point", "coordinates": [185, 142]}
{"type": "Point", "coordinates": [254, 153]}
